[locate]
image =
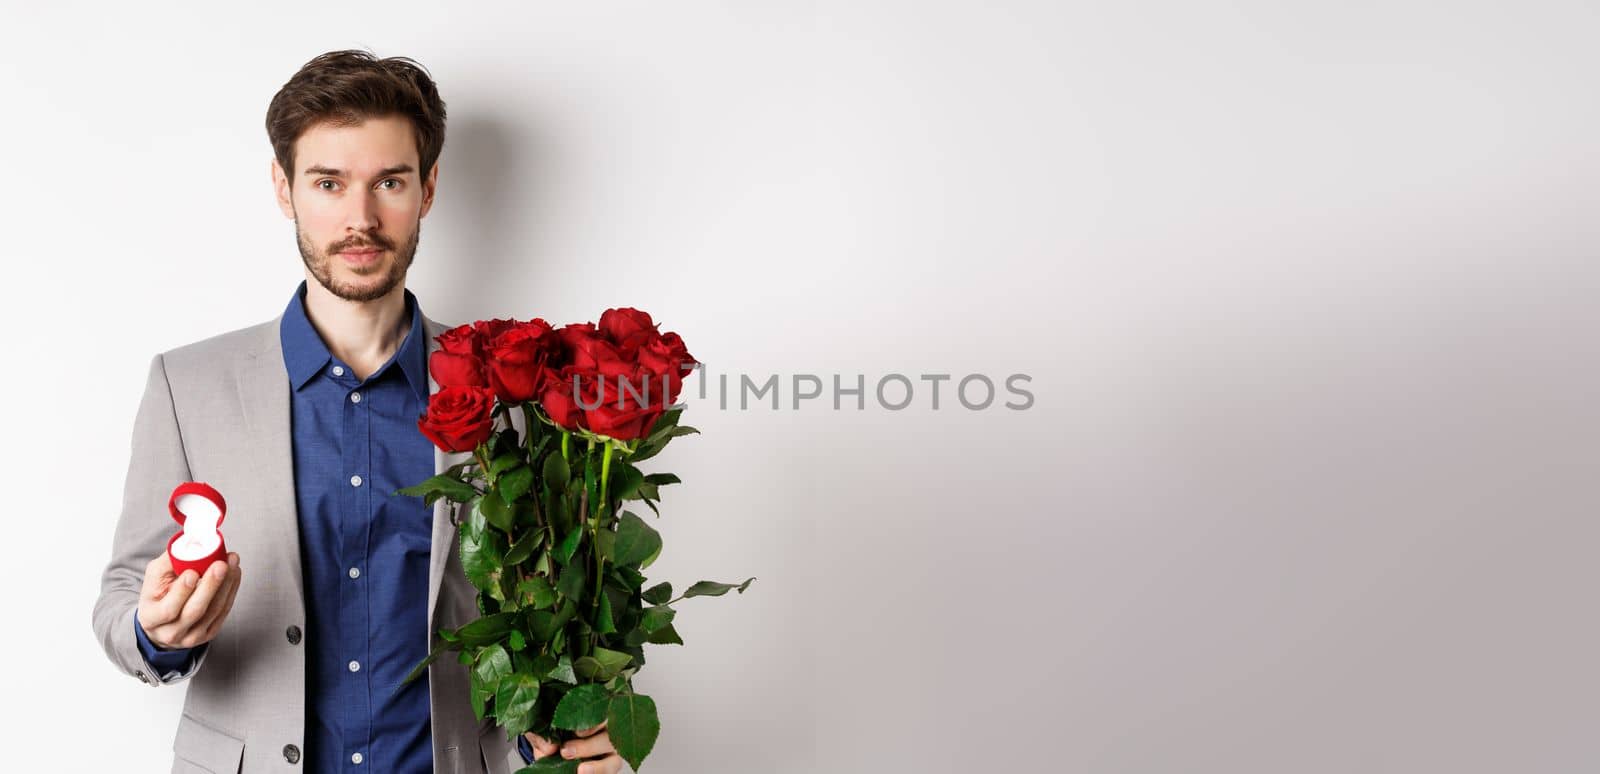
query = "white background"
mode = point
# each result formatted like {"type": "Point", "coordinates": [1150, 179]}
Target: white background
{"type": "Point", "coordinates": [1307, 294]}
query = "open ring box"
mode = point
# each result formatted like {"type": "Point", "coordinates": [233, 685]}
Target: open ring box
{"type": "Point", "coordinates": [200, 509]}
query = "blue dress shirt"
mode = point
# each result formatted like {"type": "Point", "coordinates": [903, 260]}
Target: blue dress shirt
{"type": "Point", "coordinates": [364, 552]}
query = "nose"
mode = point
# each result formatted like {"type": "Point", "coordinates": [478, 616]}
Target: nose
{"type": "Point", "coordinates": [362, 215]}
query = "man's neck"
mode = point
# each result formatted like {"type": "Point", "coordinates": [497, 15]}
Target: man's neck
{"type": "Point", "coordinates": [363, 334]}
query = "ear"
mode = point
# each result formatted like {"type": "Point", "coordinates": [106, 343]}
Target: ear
{"type": "Point", "coordinates": [429, 185]}
{"type": "Point", "coordinates": [280, 187]}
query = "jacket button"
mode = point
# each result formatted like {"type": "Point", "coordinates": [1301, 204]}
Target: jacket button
{"type": "Point", "coordinates": [291, 753]}
{"type": "Point", "coordinates": [143, 678]}
{"type": "Point", "coordinates": [293, 633]}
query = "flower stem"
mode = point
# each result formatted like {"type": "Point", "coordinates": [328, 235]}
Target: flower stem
{"type": "Point", "coordinates": [605, 504]}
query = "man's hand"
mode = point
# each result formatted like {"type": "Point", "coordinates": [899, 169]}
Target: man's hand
{"type": "Point", "coordinates": [588, 745]}
{"type": "Point", "coordinates": [183, 611]}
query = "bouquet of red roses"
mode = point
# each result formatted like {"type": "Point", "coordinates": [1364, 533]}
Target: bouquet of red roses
{"type": "Point", "coordinates": [557, 563]}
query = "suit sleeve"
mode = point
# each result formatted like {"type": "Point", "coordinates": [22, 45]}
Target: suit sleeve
{"type": "Point", "coordinates": [156, 463]}
{"type": "Point", "coordinates": [166, 664]}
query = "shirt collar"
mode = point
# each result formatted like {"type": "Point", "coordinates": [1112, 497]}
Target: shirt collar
{"type": "Point", "coordinates": [304, 353]}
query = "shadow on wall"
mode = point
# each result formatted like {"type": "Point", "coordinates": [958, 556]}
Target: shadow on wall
{"type": "Point", "coordinates": [489, 206]}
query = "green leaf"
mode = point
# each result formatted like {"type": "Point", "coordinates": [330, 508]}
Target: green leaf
{"type": "Point", "coordinates": [551, 764]}
{"type": "Point", "coordinates": [416, 671]}
{"type": "Point", "coordinates": [536, 593]}
{"type": "Point", "coordinates": [602, 621]}
{"type": "Point", "coordinates": [633, 726]}
{"type": "Point", "coordinates": [636, 540]}
{"type": "Point", "coordinates": [648, 449]}
{"type": "Point", "coordinates": [492, 664]}
{"type": "Point", "coordinates": [628, 478]}
{"type": "Point", "coordinates": [513, 702]}
{"type": "Point", "coordinates": [666, 635]}
{"type": "Point", "coordinates": [516, 483]}
{"type": "Point", "coordinates": [486, 630]}
{"type": "Point", "coordinates": [480, 552]}
{"type": "Point", "coordinates": [601, 665]}
{"type": "Point", "coordinates": [682, 431]}
{"type": "Point", "coordinates": [572, 580]}
{"type": "Point", "coordinates": [649, 560]}
{"type": "Point", "coordinates": [656, 617]}
{"type": "Point", "coordinates": [517, 641]}
{"type": "Point", "coordinates": [668, 419]}
{"type": "Point", "coordinates": [583, 707]}
{"type": "Point", "coordinates": [629, 578]}
{"type": "Point", "coordinates": [569, 544]}
{"type": "Point", "coordinates": [443, 484]}
{"type": "Point", "coordinates": [659, 593]}
{"type": "Point", "coordinates": [662, 479]}
{"type": "Point", "coordinates": [496, 510]}
{"type": "Point", "coordinates": [713, 589]}
{"type": "Point", "coordinates": [523, 548]}
{"type": "Point", "coordinates": [563, 671]}
{"type": "Point", "coordinates": [503, 463]}
{"type": "Point", "coordinates": [556, 472]}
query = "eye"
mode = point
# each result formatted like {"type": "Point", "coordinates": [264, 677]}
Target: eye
{"type": "Point", "coordinates": [327, 185]}
{"type": "Point", "coordinates": [387, 181]}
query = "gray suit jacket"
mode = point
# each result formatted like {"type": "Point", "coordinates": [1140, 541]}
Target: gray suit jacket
{"type": "Point", "coordinates": [217, 411]}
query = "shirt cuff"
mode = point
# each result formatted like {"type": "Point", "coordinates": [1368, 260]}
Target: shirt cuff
{"type": "Point", "coordinates": [524, 748]}
{"type": "Point", "coordinates": [166, 663]}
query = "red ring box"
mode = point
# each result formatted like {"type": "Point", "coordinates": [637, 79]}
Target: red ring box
{"type": "Point", "coordinates": [196, 500]}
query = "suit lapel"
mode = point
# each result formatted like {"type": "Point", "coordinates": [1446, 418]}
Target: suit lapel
{"type": "Point", "coordinates": [444, 530]}
{"type": "Point", "coordinates": [264, 397]}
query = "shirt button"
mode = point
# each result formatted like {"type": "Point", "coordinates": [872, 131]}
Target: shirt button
{"type": "Point", "coordinates": [355, 397]}
{"type": "Point", "coordinates": [355, 758]}
{"type": "Point", "coordinates": [355, 572]}
{"type": "Point", "coordinates": [355, 666]}
{"type": "Point", "coordinates": [338, 370]}
{"type": "Point", "coordinates": [355, 481]}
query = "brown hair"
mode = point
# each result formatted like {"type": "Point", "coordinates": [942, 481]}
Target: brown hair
{"type": "Point", "coordinates": [348, 87]}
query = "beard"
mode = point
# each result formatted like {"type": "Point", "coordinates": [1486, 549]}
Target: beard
{"type": "Point", "coordinates": [320, 263]}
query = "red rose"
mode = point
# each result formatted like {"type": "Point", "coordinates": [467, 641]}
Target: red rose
{"type": "Point", "coordinates": [459, 340]}
{"type": "Point", "coordinates": [458, 418]}
{"type": "Point", "coordinates": [667, 358]}
{"type": "Point", "coordinates": [518, 358]}
{"type": "Point", "coordinates": [627, 329]}
{"type": "Point", "coordinates": [622, 405]}
{"type": "Point", "coordinates": [558, 398]}
{"type": "Point", "coordinates": [451, 369]}
{"type": "Point", "coordinates": [585, 347]}
{"type": "Point", "coordinates": [485, 331]}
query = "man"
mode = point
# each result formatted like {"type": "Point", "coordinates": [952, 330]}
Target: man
{"type": "Point", "coordinates": [306, 424]}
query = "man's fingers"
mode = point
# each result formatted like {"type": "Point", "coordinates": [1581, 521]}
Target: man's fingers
{"type": "Point", "coordinates": [588, 746]}
{"type": "Point", "coordinates": [156, 575]}
{"type": "Point", "coordinates": [209, 625]}
{"type": "Point", "coordinates": [611, 764]}
{"type": "Point", "coordinates": [541, 746]}
{"type": "Point", "coordinates": [200, 601]}
{"type": "Point", "coordinates": [169, 606]}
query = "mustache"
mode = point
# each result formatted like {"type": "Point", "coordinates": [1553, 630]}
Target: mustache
{"type": "Point", "coordinates": [373, 240]}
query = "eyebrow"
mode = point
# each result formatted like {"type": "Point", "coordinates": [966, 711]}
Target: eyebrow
{"type": "Point", "coordinates": [398, 169]}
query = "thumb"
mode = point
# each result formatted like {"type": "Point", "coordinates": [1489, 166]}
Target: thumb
{"type": "Point", "coordinates": [541, 746]}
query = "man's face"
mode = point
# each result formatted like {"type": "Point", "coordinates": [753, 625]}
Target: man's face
{"type": "Point", "coordinates": [357, 200]}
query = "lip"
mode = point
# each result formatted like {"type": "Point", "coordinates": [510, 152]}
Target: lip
{"type": "Point", "coordinates": [361, 255]}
